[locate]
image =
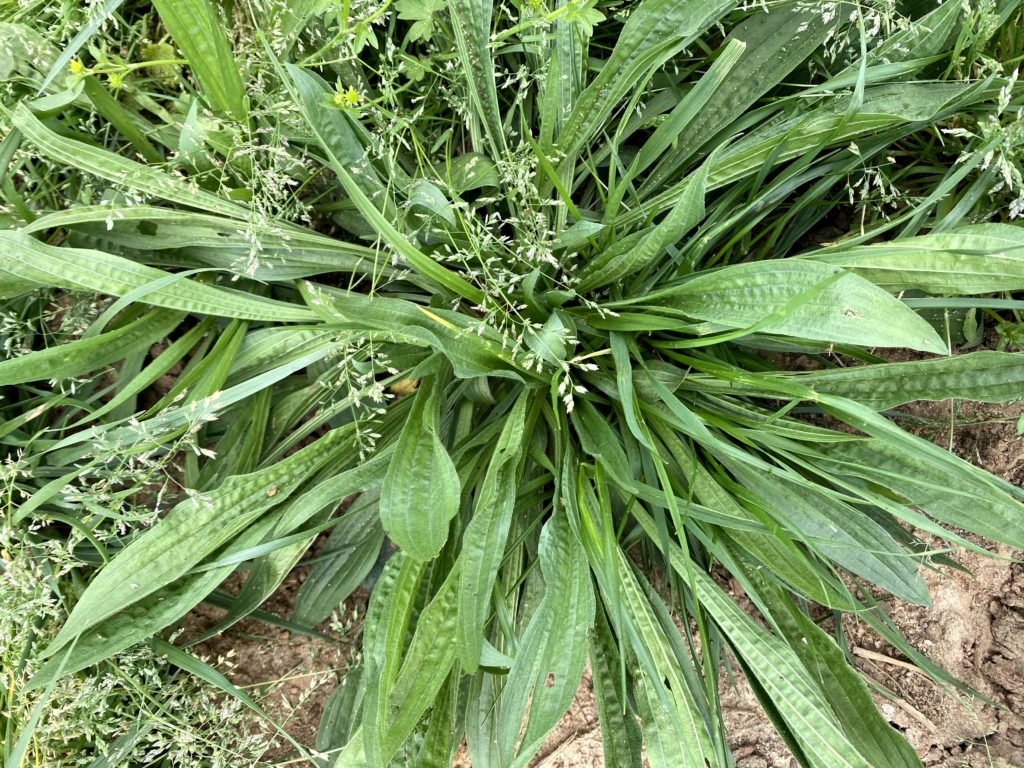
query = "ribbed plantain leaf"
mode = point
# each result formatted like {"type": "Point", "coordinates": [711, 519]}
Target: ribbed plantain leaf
{"type": "Point", "coordinates": [197, 29]}
{"type": "Point", "coordinates": [979, 258]}
{"type": "Point", "coordinates": [485, 539]}
{"type": "Point", "coordinates": [421, 489]}
{"type": "Point", "coordinates": [802, 299]}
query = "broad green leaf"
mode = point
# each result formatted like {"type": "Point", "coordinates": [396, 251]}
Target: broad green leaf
{"type": "Point", "coordinates": [772, 545]}
{"type": "Point", "coordinates": [566, 76]}
{"type": "Point", "coordinates": [682, 730]}
{"type": "Point", "coordinates": [342, 712]}
{"type": "Point", "coordinates": [979, 258]}
{"type": "Point", "coordinates": [988, 377]}
{"type": "Point", "coordinates": [286, 547]}
{"type": "Point", "coordinates": [285, 252]}
{"type": "Point", "coordinates": [421, 490]}
{"type": "Point", "coordinates": [12, 287]}
{"type": "Point", "coordinates": [471, 348]}
{"type": "Point", "coordinates": [84, 356]}
{"type": "Point", "coordinates": [120, 170]}
{"type": "Point", "coordinates": [337, 134]}
{"type": "Point", "coordinates": [483, 544]}
{"type": "Point", "coordinates": [444, 726]}
{"type": "Point", "coordinates": [126, 121]}
{"type": "Point", "coordinates": [915, 43]}
{"type": "Point", "coordinates": [841, 308]}
{"type": "Point", "coordinates": [80, 269]}
{"type": "Point", "coordinates": [688, 108]}
{"type": "Point", "coordinates": [889, 106]}
{"type": "Point", "coordinates": [552, 653]}
{"type": "Point", "coordinates": [348, 555]}
{"type": "Point", "coordinates": [190, 532]}
{"type": "Point", "coordinates": [148, 616]}
{"type": "Point", "coordinates": [196, 28]}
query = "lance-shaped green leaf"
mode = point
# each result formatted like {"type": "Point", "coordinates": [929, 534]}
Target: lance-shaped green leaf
{"type": "Point", "coordinates": [803, 299]}
{"type": "Point", "coordinates": [483, 544]}
{"type": "Point", "coordinates": [197, 29]}
{"type": "Point", "coordinates": [419, 261]}
{"type": "Point", "coordinates": [775, 666]}
{"type": "Point", "coordinates": [770, 145]}
{"type": "Point", "coordinates": [613, 264]}
{"type": "Point", "coordinates": [87, 355]}
{"type": "Point", "coordinates": [947, 488]}
{"type": "Point", "coordinates": [840, 532]}
{"type": "Point", "coordinates": [988, 377]}
{"type": "Point", "coordinates": [620, 734]}
{"type": "Point", "coordinates": [552, 654]}
{"type": "Point", "coordinates": [80, 269]}
{"type": "Point", "coordinates": [337, 134]}
{"type": "Point", "coordinates": [421, 489]}
{"type": "Point", "coordinates": [656, 30]}
{"type": "Point", "coordinates": [384, 637]}
{"type": "Point", "coordinates": [979, 258]}
{"type": "Point", "coordinates": [191, 531]}
{"type": "Point", "coordinates": [842, 685]}
{"type": "Point", "coordinates": [471, 23]}
{"type": "Point", "coordinates": [683, 733]}
{"type": "Point", "coordinates": [121, 170]}
{"type": "Point", "coordinates": [149, 615]}
{"type": "Point", "coordinates": [349, 555]}
{"type": "Point", "coordinates": [776, 42]}
{"type": "Point", "coordinates": [424, 668]}
{"type": "Point", "coordinates": [314, 505]}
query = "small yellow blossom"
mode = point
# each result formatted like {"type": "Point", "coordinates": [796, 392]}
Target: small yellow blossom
{"type": "Point", "coordinates": [76, 67]}
{"type": "Point", "coordinates": [350, 97]}
{"type": "Point", "coordinates": [116, 80]}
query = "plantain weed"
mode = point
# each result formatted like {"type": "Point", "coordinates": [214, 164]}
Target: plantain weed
{"type": "Point", "coordinates": [516, 274]}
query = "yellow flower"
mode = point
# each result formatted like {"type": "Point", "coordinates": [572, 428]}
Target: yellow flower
{"type": "Point", "coordinates": [350, 97]}
{"type": "Point", "coordinates": [76, 67]}
{"type": "Point", "coordinates": [116, 80]}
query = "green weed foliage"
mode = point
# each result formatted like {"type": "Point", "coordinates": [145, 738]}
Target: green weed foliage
{"type": "Point", "coordinates": [527, 280]}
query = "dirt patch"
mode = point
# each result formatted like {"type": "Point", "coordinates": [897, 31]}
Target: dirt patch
{"type": "Point", "coordinates": [290, 675]}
